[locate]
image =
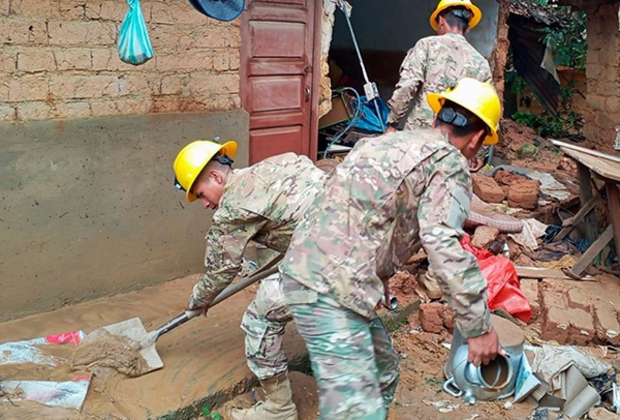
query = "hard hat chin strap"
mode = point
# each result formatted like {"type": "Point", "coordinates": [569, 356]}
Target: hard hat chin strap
{"type": "Point", "coordinates": [178, 185]}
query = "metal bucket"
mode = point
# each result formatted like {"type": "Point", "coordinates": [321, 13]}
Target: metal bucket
{"type": "Point", "coordinates": [496, 380]}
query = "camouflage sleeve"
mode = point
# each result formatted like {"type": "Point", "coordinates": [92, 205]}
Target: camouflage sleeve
{"type": "Point", "coordinates": [487, 77]}
{"type": "Point", "coordinates": [227, 238]}
{"type": "Point", "coordinates": [442, 211]}
{"type": "Point", "coordinates": [411, 77]}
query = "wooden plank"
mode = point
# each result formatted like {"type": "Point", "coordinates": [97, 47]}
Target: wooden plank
{"type": "Point", "coordinates": [569, 224]}
{"type": "Point", "coordinates": [585, 193]}
{"type": "Point", "coordinates": [586, 151]}
{"type": "Point", "coordinates": [614, 211]}
{"type": "Point", "coordinates": [545, 273]}
{"type": "Point", "coordinates": [586, 259]}
{"type": "Point", "coordinates": [604, 167]}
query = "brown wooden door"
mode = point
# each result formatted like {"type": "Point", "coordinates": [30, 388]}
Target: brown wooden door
{"type": "Point", "coordinates": [277, 39]}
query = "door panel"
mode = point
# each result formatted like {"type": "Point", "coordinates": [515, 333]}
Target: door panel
{"type": "Point", "coordinates": [274, 141]}
{"type": "Point", "coordinates": [276, 75]}
{"type": "Point", "coordinates": [277, 39]}
{"type": "Point", "coordinates": [276, 93]}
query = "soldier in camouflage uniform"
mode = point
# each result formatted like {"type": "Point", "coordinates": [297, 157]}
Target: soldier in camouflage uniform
{"type": "Point", "coordinates": [436, 63]}
{"type": "Point", "coordinates": [388, 193]}
{"type": "Point", "coordinates": [263, 203]}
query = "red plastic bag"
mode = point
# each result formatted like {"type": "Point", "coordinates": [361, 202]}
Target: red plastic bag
{"type": "Point", "coordinates": [504, 290]}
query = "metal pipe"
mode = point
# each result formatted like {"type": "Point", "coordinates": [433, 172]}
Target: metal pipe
{"type": "Point", "coordinates": [389, 302]}
{"type": "Point", "coordinates": [369, 85]}
{"type": "Point", "coordinates": [584, 150]}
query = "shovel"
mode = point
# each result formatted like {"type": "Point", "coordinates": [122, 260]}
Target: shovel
{"type": "Point", "coordinates": [134, 330]}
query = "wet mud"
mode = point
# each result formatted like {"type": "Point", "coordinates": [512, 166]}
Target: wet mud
{"type": "Point", "coordinates": [103, 349]}
{"type": "Point", "coordinates": [203, 360]}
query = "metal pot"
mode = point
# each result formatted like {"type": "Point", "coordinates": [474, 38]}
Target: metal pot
{"type": "Point", "coordinates": [496, 380]}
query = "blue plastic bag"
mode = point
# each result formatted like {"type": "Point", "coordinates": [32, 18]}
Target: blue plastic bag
{"type": "Point", "coordinates": [369, 120]}
{"type": "Point", "coordinates": [134, 45]}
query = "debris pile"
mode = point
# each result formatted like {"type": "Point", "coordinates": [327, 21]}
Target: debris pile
{"type": "Point", "coordinates": [575, 312]}
{"type": "Point", "coordinates": [523, 220]}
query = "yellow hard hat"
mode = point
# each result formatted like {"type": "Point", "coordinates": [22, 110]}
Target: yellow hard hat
{"type": "Point", "coordinates": [477, 97]}
{"type": "Point", "coordinates": [444, 4]}
{"type": "Point", "coordinates": [192, 159]}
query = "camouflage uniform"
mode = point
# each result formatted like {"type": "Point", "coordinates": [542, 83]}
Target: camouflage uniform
{"type": "Point", "coordinates": [432, 65]}
{"type": "Point", "coordinates": [263, 203]}
{"type": "Point", "coordinates": [388, 193]}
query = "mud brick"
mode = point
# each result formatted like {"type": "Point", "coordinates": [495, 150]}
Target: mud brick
{"type": "Point", "coordinates": [608, 328]}
{"type": "Point", "coordinates": [487, 189]}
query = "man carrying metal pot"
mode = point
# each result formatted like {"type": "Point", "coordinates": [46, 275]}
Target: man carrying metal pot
{"type": "Point", "coordinates": [390, 192]}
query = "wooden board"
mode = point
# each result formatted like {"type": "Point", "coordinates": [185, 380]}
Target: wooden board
{"type": "Point", "coordinates": [586, 259]}
{"type": "Point", "coordinates": [545, 273]}
{"type": "Point", "coordinates": [603, 167]}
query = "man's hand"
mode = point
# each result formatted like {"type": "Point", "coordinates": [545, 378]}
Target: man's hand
{"type": "Point", "coordinates": [193, 305]}
{"type": "Point", "coordinates": [475, 164]}
{"type": "Point", "coordinates": [484, 348]}
{"type": "Point", "coordinates": [390, 129]}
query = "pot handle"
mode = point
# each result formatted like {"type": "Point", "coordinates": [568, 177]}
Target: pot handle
{"type": "Point", "coordinates": [466, 373]}
{"type": "Point", "coordinates": [497, 374]}
{"type": "Point", "coordinates": [450, 388]}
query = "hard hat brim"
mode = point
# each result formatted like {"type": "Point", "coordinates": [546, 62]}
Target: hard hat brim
{"type": "Point", "coordinates": [475, 19]}
{"type": "Point", "coordinates": [229, 148]}
{"type": "Point", "coordinates": [436, 101]}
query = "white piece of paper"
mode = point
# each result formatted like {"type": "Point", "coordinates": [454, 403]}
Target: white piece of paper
{"type": "Point", "coordinates": [70, 394]}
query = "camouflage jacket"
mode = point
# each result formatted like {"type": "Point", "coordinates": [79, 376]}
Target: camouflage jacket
{"type": "Point", "coordinates": [388, 193]}
{"type": "Point", "coordinates": [263, 203]}
{"type": "Point", "coordinates": [432, 65]}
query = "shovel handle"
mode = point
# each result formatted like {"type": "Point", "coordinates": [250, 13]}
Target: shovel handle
{"type": "Point", "coordinates": [266, 271]}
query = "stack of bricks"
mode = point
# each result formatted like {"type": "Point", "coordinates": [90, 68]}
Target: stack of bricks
{"type": "Point", "coordinates": [59, 60]}
{"type": "Point", "coordinates": [603, 75]}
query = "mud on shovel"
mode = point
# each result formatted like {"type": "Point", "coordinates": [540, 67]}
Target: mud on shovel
{"type": "Point", "coordinates": [134, 330]}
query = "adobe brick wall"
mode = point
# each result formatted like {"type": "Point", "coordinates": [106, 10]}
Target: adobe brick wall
{"type": "Point", "coordinates": [603, 76]}
{"type": "Point", "coordinates": [59, 61]}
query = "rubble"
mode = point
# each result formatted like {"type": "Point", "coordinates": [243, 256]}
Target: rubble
{"type": "Point", "coordinates": [608, 328]}
{"type": "Point", "coordinates": [506, 178]}
{"type": "Point", "coordinates": [599, 413]}
{"type": "Point", "coordinates": [524, 194]}
{"type": "Point", "coordinates": [529, 287]}
{"type": "Point", "coordinates": [487, 189]}
{"type": "Point", "coordinates": [576, 312]}
{"type": "Point", "coordinates": [484, 236]}
{"type": "Point", "coordinates": [436, 317]}
{"type": "Point", "coordinates": [514, 136]}
{"type": "Point", "coordinates": [527, 151]}
{"type": "Point", "coordinates": [402, 286]}
{"type": "Point", "coordinates": [430, 317]}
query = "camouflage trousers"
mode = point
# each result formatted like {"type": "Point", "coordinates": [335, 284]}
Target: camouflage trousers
{"type": "Point", "coordinates": [263, 323]}
{"type": "Point", "coordinates": [353, 360]}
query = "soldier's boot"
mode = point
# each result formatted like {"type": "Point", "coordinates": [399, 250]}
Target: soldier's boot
{"type": "Point", "coordinates": [279, 404]}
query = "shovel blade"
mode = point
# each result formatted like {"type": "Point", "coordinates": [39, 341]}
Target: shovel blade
{"type": "Point", "coordinates": [134, 330]}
